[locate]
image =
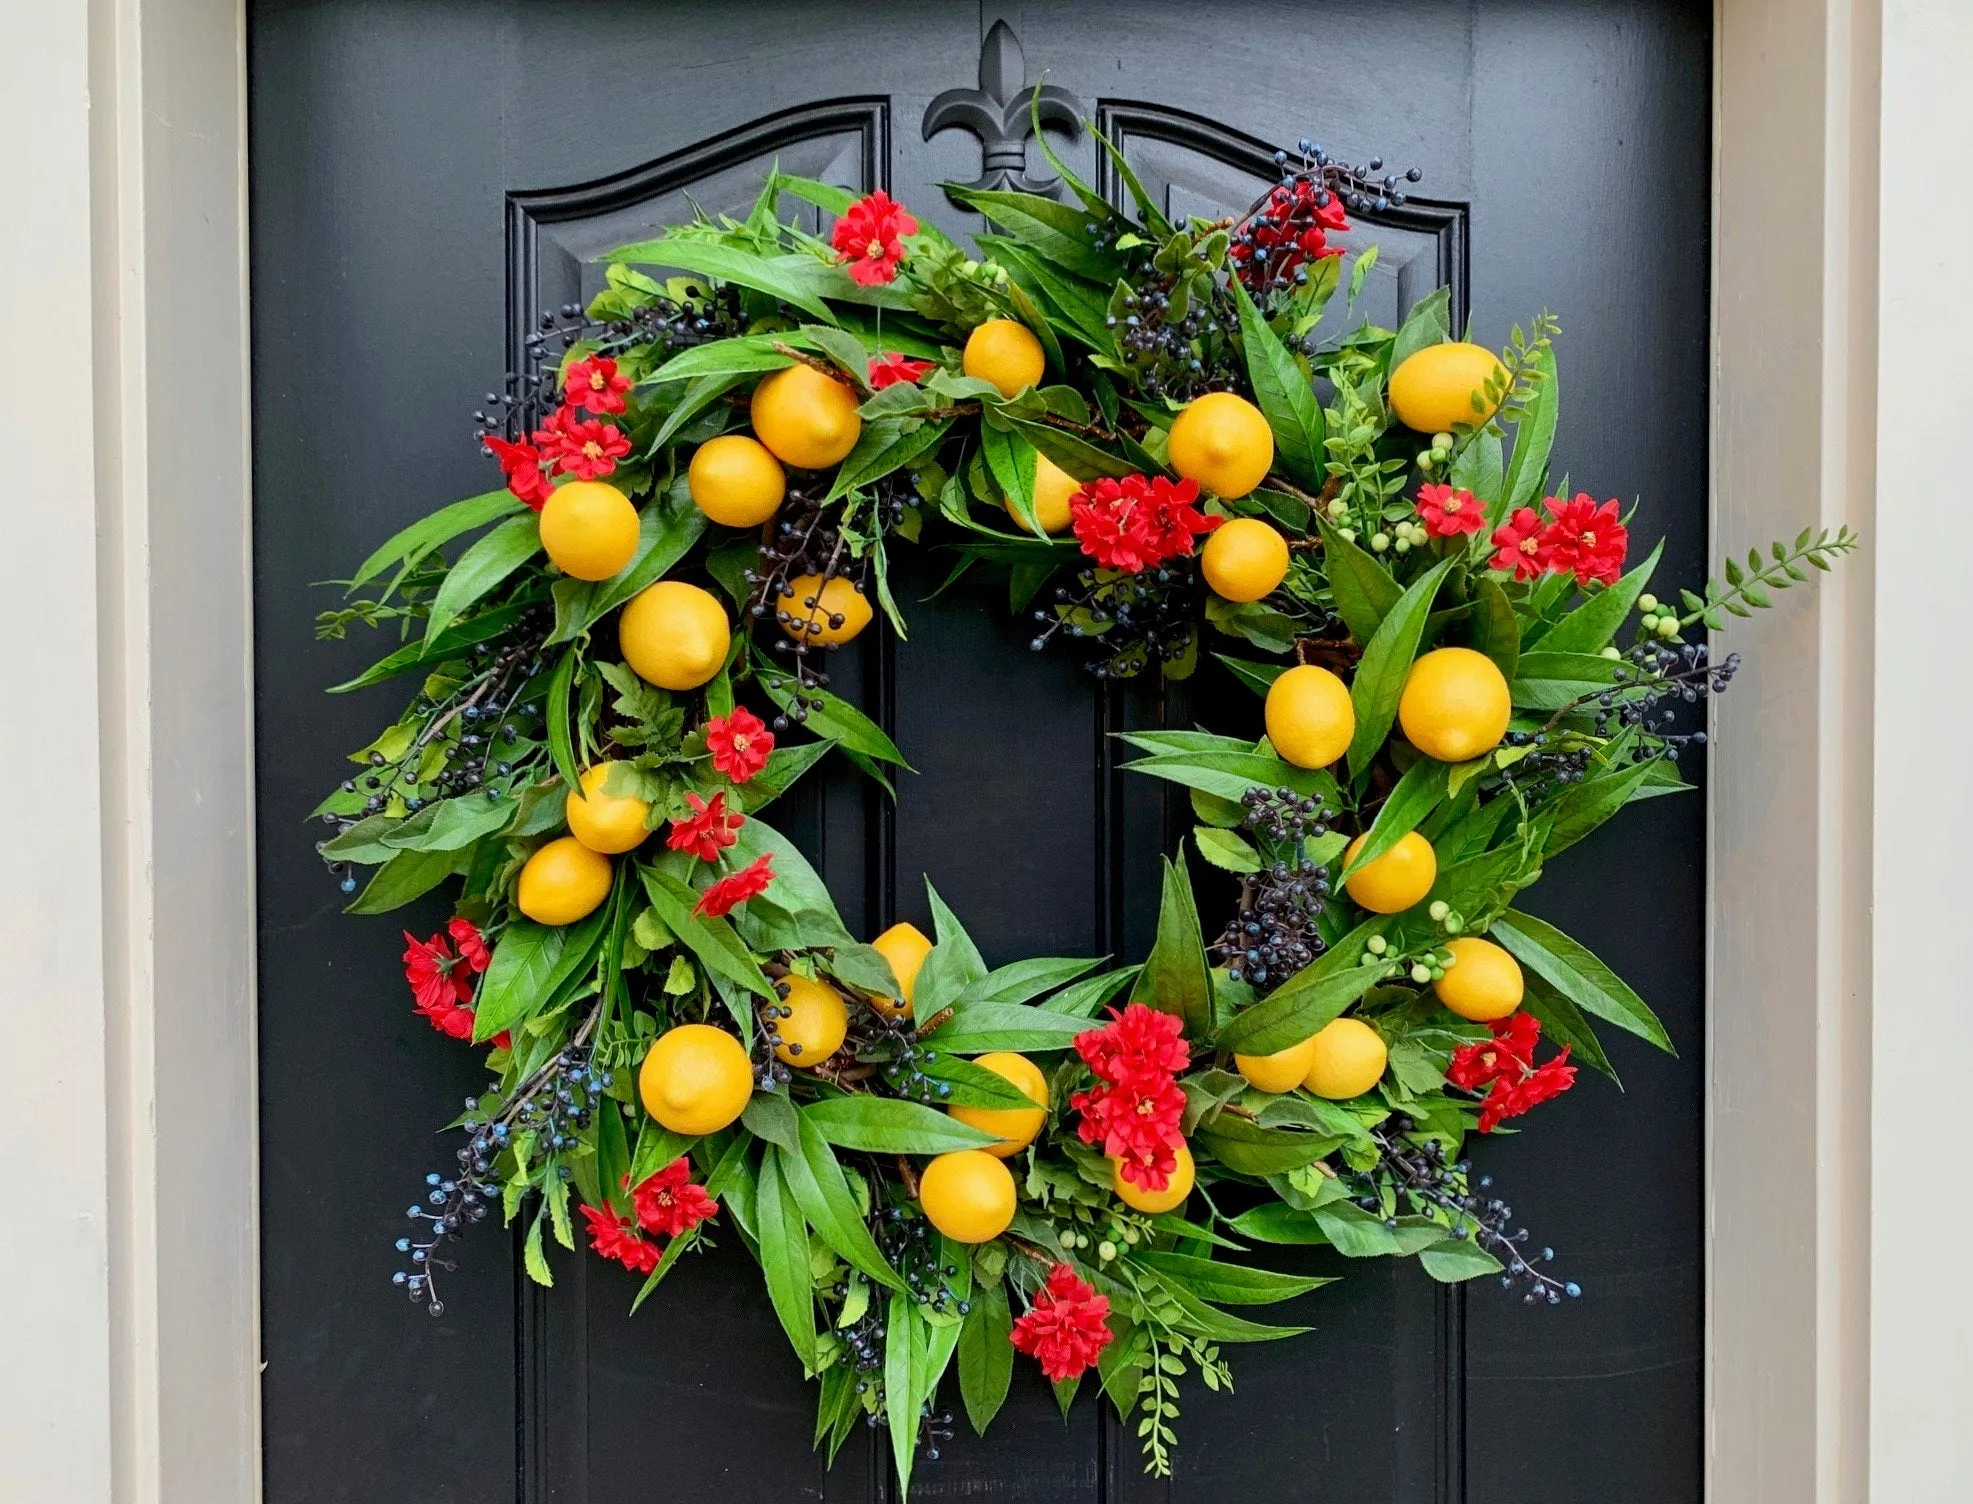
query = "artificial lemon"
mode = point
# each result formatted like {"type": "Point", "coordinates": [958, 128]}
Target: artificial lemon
{"type": "Point", "coordinates": [1054, 488]}
{"type": "Point", "coordinates": [674, 635]}
{"type": "Point", "coordinates": [905, 947]}
{"type": "Point", "coordinates": [806, 419]}
{"type": "Point", "coordinates": [603, 822]}
{"type": "Point", "coordinates": [1015, 1127]}
{"type": "Point", "coordinates": [1223, 442]}
{"type": "Point", "coordinates": [1455, 704]}
{"type": "Point", "coordinates": [1177, 1188]}
{"type": "Point", "coordinates": [1397, 879]}
{"type": "Point", "coordinates": [1483, 983]}
{"type": "Point", "coordinates": [1005, 353]}
{"type": "Point", "coordinates": [1438, 386]}
{"type": "Point", "coordinates": [1244, 559]}
{"type": "Point", "coordinates": [589, 529]}
{"type": "Point", "coordinates": [1310, 719]}
{"type": "Point", "coordinates": [1279, 1072]}
{"type": "Point", "coordinates": [822, 612]}
{"type": "Point", "coordinates": [562, 881]}
{"type": "Point", "coordinates": [695, 1079]}
{"type": "Point", "coordinates": [1347, 1061]}
{"type": "Point", "coordinates": [735, 481]}
{"type": "Point", "coordinates": [813, 1023]}
{"type": "Point", "coordinates": [968, 1195]}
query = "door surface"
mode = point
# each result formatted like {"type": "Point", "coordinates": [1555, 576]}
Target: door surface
{"type": "Point", "coordinates": [426, 175]}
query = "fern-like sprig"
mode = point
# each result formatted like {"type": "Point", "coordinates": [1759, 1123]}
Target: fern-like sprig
{"type": "Point", "coordinates": [1745, 587]}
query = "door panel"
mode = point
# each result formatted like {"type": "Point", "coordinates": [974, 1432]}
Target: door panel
{"type": "Point", "coordinates": [426, 178]}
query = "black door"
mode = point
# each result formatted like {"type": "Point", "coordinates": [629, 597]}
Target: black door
{"type": "Point", "coordinates": [426, 174]}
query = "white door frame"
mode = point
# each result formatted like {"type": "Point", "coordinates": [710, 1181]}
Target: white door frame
{"type": "Point", "coordinates": [1841, 339]}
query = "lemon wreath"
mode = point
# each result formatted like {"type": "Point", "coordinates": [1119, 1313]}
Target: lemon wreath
{"type": "Point", "coordinates": [929, 1157]}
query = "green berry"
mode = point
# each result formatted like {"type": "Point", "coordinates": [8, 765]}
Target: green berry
{"type": "Point", "coordinates": [1377, 945]}
{"type": "Point", "coordinates": [1442, 441]}
{"type": "Point", "coordinates": [1612, 653]}
{"type": "Point", "coordinates": [1438, 973]}
{"type": "Point", "coordinates": [1380, 541]}
{"type": "Point", "coordinates": [1454, 924]}
{"type": "Point", "coordinates": [1338, 508]}
{"type": "Point", "coordinates": [1668, 626]}
{"type": "Point", "coordinates": [1650, 621]}
{"type": "Point", "coordinates": [1421, 974]}
{"type": "Point", "coordinates": [1439, 909]}
{"type": "Point", "coordinates": [1068, 1237]}
{"type": "Point", "coordinates": [1404, 545]}
{"type": "Point", "coordinates": [1347, 534]}
{"type": "Point", "coordinates": [1427, 459]}
{"type": "Point", "coordinates": [1368, 960]}
{"type": "Point", "coordinates": [1647, 602]}
{"type": "Point", "coordinates": [1106, 1250]}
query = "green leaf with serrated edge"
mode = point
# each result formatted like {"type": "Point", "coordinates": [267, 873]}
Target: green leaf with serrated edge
{"type": "Point", "coordinates": [1428, 323]}
{"type": "Point", "coordinates": [982, 1027]}
{"type": "Point", "coordinates": [726, 264]}
{"type": "Point", "coordinates": [1305, 1003]}
{"type": "Point", "coordinates": [883, 1125]}
{"type": "Point", "coordinates": [1256, 676]}
{"type": "Point", "coordinates": [1175, 978]}
{"type": "Point", "coordinates": [1457, 1259]}
{"type": "Point", "coordinates": [667, 528]}
{"type": "Point", "coordinates": [1272, 1222]}
{"type": "Point", "coordinates": [480, 568]}
{"type": "Point", "coordinates": [1496, 629]}
{"type": "Point", "coordinates": [986, 1357]}
{"type": "Point", "coordinates": [1245, 1147]}
{"type": "Point", "coordinates": [407, 875]}
{"type": "Point", "coordinates": [1023, 981]}
{"type": "Point", "coordinates": [970, 1085]}
{"type": "Point", "coordinates": [1386, 663]}
{"type": "Point", "coordinates": [1230, 1284]}
{"type": "Point", "coordinates": [1575, 972]}
{"type": "Point", "coordinates": [452, 643]}
{"type": "Point", "coordinates": [532, 1256]}
{"type": "Point", "coordinates": [1225, 849]}
{"type": "Point", "coordinates": [1082, 999]}
{"type": "Point", "coordinates": [783, 1250]}
{"type": "Point", "coordinates": [709, 938]}
{"type": "Point", "coordinates": [1231, 774]}
{"type": "Point", "coordinates": [1365, 590]}
{"type": "Point", "coordinates": [837, 720]}
{"type": "Point", "coordinates": [1417, 793]}
{"type": "Point", "coordinates": [770, 1115]}
{"type": "Point", "coordinates": [1534, 434]}
{"type": "Point", "coordinates": [560, 686]}
{"type": "Point", "coordinates": [410, 544]}
{"type": "Point", "coordinates": [816, 1177]}
{"type": "Point", "coordinates": [1564, 1024]}
{"type": "Point", "coordinates": [530, 963]}
{"type": "Point", "coordinates": [1586, 805]}
{"type": "Point", "coordinates": [1283, 390]}
{"type": "Point", "coordinates": [1590, 627]}
{"type": "Point", "coordinates": [450, 824]}
{"type": "Point", "coordinates": [742, 355]}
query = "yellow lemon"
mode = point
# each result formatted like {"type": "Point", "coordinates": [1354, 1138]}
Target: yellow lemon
{"type": "Point", "coordinates": [1455, 704]}
{"type": "Point", "coordinates": [603, 822]}
{"type": "Point", "coordinates": [674, 635]}
{"type": "Point", "coordinates": [1310, 720]}
{"type": "Point", "coordinates": [1223, 442]}
{"type": "Point", "coordinates": [562, 881]}
{"type": "Point", "coordinates": [1005, 353]}
{"type": "Point", "coordinates": [695, 1079]}
{"type": "Point", "coordinates": [822, 612]}
{"type": "Point", "coordinates": [1397, 879]}
{"type": "Point", "coordinates": [1054, 488]}
{"type": "Point", "coordinates": [1483, 983]}
{"type": "Point", "coordinates": [735, 481]}
{"type": "Point", "coordinates": [1131, 1194]}
{"type": "Point", "coordinates": [812, 1023]}
{"type": "Point", "coordinates": [1279, 1072]}
{"type": "Point", "coordinates": [905, 947]}
{"type": "Point", "coordinates": [589, 529]}
{"type": "Point", "coordinates": [968, 1195]}
{"type": "Point", "coordinates": [806, 419]}
{"type": "Point", "coordinates": [1014, 1126]}
{"type": "Point", "coordinates": [1244, 559]}
{"type": "Point", "coordinates": [1348, 1060]}
{"type": "Point", "coordinates": [1436, 387]}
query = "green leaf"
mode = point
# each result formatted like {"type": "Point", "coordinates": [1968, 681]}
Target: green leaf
{"type": "Point", "coordinates": [816, 1177]}
{"type": "Point", "coordinates": [884, 1125]}
{"type": "Point", "coordinates": [1365, 590]}
{"type": "Point", "coordinates": [1058, 231]}
{"type": "Point", "coordinates": [1417, 793]}
{"type": "Point", "coordinates": [666, 529]}
{"type": "Point", "coordinates": [1304, 1004]}
{"type": "Point", "coordinates": [1575, 972]}
{"type": "Point", "coordinates": [708, 258]}
{"type": "Point", "coordinates": [770, 1115]}
{"type": "Point", "coordinates": [1217, 1325]}
{"type": "Point", "coordinates": [986, 1356]}
{"type": "Point", "coordinates": [1230, 774]}
{"type": "Point", "coordinates": [1457, 1259]}
{"type": "Point", "coordinates": [1258, 677]}
{"type": "Point", "coordinates": [1011, 459]}
{"type": "Point", "coordinates": [783, 1245]}
{"type": "Point", "coordinates": [1478, 468]}
{"type": "Point", "coordinates": [1533, 436]}
{"type": "Point", "coordinates": [1284, 392]}
{"type": "Point", "coordinates": [884, 446]}
{"type": "Point", "coordinates": [970, 1085]}
{"type": "Point", "coordinates": [530, 964]}
{"type": "Point", "coordinates": [410, 544]}
{"type": "Point", "coordinates": [1550, 681]}
{"type": "Point", "coordinates": [1226, 849]}
{"type": "Point", "coordinates": [981, 1027]}
{"type": "Point", "coordinates": [743, 355]}
{"type": "Point", "coordinates": [1231, 1284]}
{"type": "Point", "coordinates": [1150, 212]}
{"type": "Point", "coordinates": [561, 685]}
{"type": "Point", "coordinates": [1564, 1024]}
{"type": "Point", "coordinates": [1244, 1146]}
{"type": "Point", "coordinates": [862, 967]}
{"type": "Point", "coordinates": [784, 766]}
{"type": "Point", "coordinates": [837, 720]}
{"type": "Point", "coordinates": [905, 1336]}
{"type": "Point", "coordinates": [709, 938]}
{"type": "Point", "coordinates": [1496, 627]}
{"type": "Point", "coordinates": [1077, 456]}
{"type": "Point", "coordinates": [1428, 323]}
{"type": "Point", "coordinates": [697, 397]}
{"type": "Point", "coordinates": [953, 964]}
{"type": "Point", "coordinates": [1590, 627]}
{"type": "Point", "coordinates": [408, 875]}
{"type": "Point", "coordinates": [1175, 978]}
{"type": "Point", "coordinates": [451, 824]}
{"type": "Point", "coordinates": [1273, 1222]}
{"type": "Point", "coordinates": [489, 561]}
{"type": "Point", "coordinates": [1023, 981]}
{"type": "Point", "coordinates": [1588, 804]}
{"type": "Point", "coordinates": [1082, 999]}
{"type": "Point", "coordinates": [451, 643]}
{"type": "Point", "coordinates": [1386, 664]}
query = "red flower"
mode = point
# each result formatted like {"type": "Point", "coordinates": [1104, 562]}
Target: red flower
{"type": "Point", "coordinates": [730, 892]}
{"type": "Point", "coordinates": [669, 1203]}
{"type": "Point", "coordinates": [1448, 513]}
{"type": "Point", "coordinates": [1137, 522]}
{"type": "Point", "coordinates": [616, 1237]}
{"type": "Point", "coordinates": [1066, 1328]}
{"type": "Point", "coordinates": [595, 384]}
{"type": "Point", "coordinates": [891, 368]}
{"type": "Point", "coordinates": [1504, 1066]}
{"type": "Point", "coordinates": [521, 464]}
{"type": "Point", "coordinates": [708, 831]}
{"type": "Point", "coordinates": [587, 448]}
{"type": "Point", "coordinates": [1136, 1105]}
{"type": "Point", "coordinates": [1584, 539]}
{"type": "Point", "coordinates": [739, 743]}
{"type": "Point", "coordinates": [868, 237]}
{"type": "Point", "coordinates": [1142, 1039]}
{"type": "Point", "coordinates": [472, 944]}
{"type": "Point", "coordinates": [1517, 545]}
{"type": "Point", "coordinates": [1289, 228]}
{"type": "Point", "coordinates": [440, 985]}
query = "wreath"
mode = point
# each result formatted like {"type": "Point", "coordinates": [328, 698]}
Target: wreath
{"type": "Point", "coordinates": [1135, 422]}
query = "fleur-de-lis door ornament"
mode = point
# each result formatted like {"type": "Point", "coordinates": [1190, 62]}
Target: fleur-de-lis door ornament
{"type": "Point", "coordinates": [998, 113]}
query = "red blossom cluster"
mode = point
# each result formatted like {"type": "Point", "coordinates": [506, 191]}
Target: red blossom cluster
{"type": "Point", "coordinates": [708, 830]}
{"type": "Point", "coordinates": [738, 746]}
{"type": "Point", "coordinates": [1577, 537]}
{"type": "Point", "coordinates": [870, 238]}
{"type": "Point", "coordinates": [442, 981]}
{"type": "Point", "coordinates": [666, 1203]}
{"type": "Point", "coordinates": [1134, 1109]}
{"type": "Point", "coordinates": [1504, 1067]}
{"type": "Point", "coordinates": [726, 895]}
{"type": "Point", "coordinates": [1449, 513]}
{"type": "Point", "coordinates": [1137, 522]}
{"type": "Point", "coordinates": [1066, 1328]}
{"type": "Point", "coordinates": [567, 442]}
{"type": "Point", "coordinates": [738, 743]}
{"type": "Point", "coordinates": [892, 369]}
{"type": "Point", "coordinates": [1289, 229]}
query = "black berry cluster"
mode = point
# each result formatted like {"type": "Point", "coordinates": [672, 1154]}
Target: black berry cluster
{"type": "Point", "coordinates": [450, 1207]}
{"type": "Point", "coordinates": [805, 541]}
{"type": "Point", "coordinates": [1287, 229]}
{"type": "Point", "coordinates": [1131, 621]}
{"type": "Point", "coordinates": [1273, 935]}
